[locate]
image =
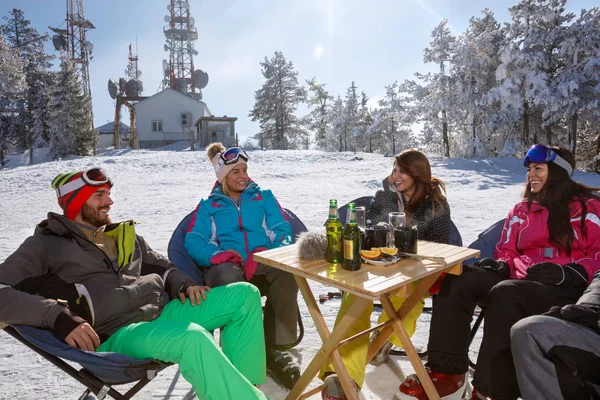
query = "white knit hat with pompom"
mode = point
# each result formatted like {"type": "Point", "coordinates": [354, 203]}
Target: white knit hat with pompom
{"type": "Point", "coordinates": [214, 151]}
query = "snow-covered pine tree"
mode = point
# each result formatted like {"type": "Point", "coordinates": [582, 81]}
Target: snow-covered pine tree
{"type": "Point", "coordinates": [19, 34]}
{"type": "Point", "coordinates": [394, 118]}
{"type": "Point", "coordinates": [335, 140]}
{"type": "Point", "coordinates": [12, 88]}
{"type": "Point", "coordinates": [70, 117]}
{"type": "Point", "coordinates": [473, 70]}
{"type": "Point", "coordinates": [438, 85]}
{"type": "Point", "coordinates": [574, 96]}
{"type": "Point", "coordinates": [318, 120]}
{"type": "Point", "coordinates": [365, 120]}
{"type": "Point", "coordinates": [530, 62]}
{"type": "Point", "coordinates": [276, 102]}
{"type": "Point", "coordinates": [350, 118]}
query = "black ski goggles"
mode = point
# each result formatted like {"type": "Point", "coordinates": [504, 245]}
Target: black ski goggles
{"type": "Point", "coordinates": [541, 154]}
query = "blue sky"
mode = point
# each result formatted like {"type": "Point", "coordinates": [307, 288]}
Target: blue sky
{"type": "Point", "coordinates": [371, 42]}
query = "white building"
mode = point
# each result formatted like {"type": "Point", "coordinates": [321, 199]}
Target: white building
{"type": "Point", "coordinates": [106, 134]}
{"type": "Point", "coordinates": [167, 117]}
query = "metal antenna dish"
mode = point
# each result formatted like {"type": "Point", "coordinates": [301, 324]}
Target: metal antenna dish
{"type": "Point", "coordinates": [200, 79]}
{"type": "Point", "coordinates": [89, 46]}
{"type": "Point", "coordinates": [138, 73]}
{"type": "Point", "coordinates": [195, 52]}
{"type": "Point", "coordinates": [192, 20]}
{"type": "Point", "coordinates": [165, 64]}
{"type": "Point", "coordinates": [112, 88]}
{"type": "Point", "coordinates": [166, 47]}
{"type": "Point", "coordinates": [140, 87]}
{"type": "Point", "coordinates": [168, 7]}
{"type": "Point", "coordinates": [122, 85]}
{"type": "Point", "coordinates": [186, 5]}
{"type": "Point", "coordinates": [59, 42]}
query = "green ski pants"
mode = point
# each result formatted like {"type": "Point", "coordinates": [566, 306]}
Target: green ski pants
{"type": "Point", "coordinates": [181, 335]}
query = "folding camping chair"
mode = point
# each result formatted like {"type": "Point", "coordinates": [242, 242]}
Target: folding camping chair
{"type": "Point", "coordinates": [99, 372]}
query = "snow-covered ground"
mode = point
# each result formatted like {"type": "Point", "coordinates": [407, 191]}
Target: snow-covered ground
{"type": "Point", "coordinates": [159, 188]}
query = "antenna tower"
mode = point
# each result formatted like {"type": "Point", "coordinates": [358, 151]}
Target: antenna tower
{"type": "Point", "coordinates": [180, 34]}
{"type": "Point", "coordinates": [73, 43]}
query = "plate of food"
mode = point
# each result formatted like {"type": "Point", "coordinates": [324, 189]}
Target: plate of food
{"type": "Point", "coordinates": [380, 256]}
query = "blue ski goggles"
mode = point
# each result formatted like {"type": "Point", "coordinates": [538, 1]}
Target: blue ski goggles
{"type": "Point", "coordinates": [232, 155]}
{"type": "Point", "coordinates": [541, 154]}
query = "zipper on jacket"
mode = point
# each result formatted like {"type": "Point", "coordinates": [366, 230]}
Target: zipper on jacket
{"type": "Point", "coordinates": [239, 208]}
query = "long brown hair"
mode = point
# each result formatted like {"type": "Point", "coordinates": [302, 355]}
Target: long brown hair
{"type": "Point", "coordinates": [417, 166]}
{"type": "Point", "coordinates": [556, 195]}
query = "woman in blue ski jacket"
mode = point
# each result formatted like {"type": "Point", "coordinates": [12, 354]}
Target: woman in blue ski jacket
{"type": "Point", "coordinates": [237, 220]}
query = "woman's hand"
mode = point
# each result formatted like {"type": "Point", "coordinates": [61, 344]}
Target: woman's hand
{"type": "Point", "coordinates": [568, 275]}
{"type": "Point", "coordinates": [500, 267]}
{"type": "Point", "coordinates": [234, 252]}
{"type": "Point", "coordinates": [226, 256]}
{"type": "Point", "coordinates": [194, 293]}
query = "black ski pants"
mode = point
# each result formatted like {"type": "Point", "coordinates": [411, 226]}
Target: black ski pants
{"type": "Point", "coordinates": [505, 303]}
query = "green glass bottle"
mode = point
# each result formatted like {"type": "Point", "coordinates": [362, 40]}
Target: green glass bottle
{"type": "Point", "coordinates": [335, 253]}
{"type": "Point", "coordinates": [351, 242]}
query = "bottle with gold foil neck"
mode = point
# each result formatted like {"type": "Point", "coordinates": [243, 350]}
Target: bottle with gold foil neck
{"type": "Point", "coordinates": [352, 239]}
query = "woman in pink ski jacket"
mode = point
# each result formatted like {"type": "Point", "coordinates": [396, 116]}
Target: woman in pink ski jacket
{"type": "Point", "coordinates": [546, 256]}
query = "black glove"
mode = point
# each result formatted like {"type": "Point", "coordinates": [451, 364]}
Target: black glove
{"type": "Point", "coordinates": [500, 267]}
{"type": "Point", "coordinates": [585, 314]}
{"type": "Point", "coordinates": [569, 275]}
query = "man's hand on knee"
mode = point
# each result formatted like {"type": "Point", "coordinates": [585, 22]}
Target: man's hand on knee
{"type": "Point", "coordinates": [195, 293]}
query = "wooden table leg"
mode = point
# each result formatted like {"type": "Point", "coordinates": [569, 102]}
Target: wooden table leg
{"type": "Point", "coordinates": [330, 342]}
{"type": "Point", "coordinates": [421, 290]}
{"type": "Point", "coordinates": [411, 352]}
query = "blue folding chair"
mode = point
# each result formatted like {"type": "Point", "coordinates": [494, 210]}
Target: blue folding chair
{"type": "Point", "coordinates": [99, 372]}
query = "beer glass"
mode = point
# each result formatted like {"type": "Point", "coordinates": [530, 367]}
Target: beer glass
{"type": "Point", "coordinates": [397, 219]}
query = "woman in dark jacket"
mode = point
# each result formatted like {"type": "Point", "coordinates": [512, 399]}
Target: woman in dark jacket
{"type": "Point", "coordinates": [412, 189]}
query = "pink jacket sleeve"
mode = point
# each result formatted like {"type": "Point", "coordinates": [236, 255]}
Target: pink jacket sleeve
{"type": "Point", "coordinates": [506, 249]}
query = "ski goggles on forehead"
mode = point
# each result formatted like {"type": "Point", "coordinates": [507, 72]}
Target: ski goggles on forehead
{"type": "Point", "coordinates": [542, 154]}
{"type": "Point", "coordinates": [91, 177]}
{"type": "Point", "coordinates": [232, 155]}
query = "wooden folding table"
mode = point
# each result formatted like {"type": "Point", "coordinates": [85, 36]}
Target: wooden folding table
{"type": "Point", "coordinates": [368, 284]}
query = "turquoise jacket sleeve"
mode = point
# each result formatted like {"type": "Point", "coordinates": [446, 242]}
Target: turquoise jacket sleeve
{"type": "Point", "coordinates": [276, 221]}
{"type": "Point", "coordinates": [199, 239]}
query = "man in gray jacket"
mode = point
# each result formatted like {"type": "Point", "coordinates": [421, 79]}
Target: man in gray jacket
{"type": "Point", "coordinates": [100, 287]}
{"type": "Point", "coordinates": [557, 355]}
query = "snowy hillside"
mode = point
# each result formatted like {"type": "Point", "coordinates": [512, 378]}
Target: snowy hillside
{"type": "Point", "coordinates": [159, 188]}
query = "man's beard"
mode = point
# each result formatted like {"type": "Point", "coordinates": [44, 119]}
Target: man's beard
{"type": "Point", "coordinates": [94, 217]}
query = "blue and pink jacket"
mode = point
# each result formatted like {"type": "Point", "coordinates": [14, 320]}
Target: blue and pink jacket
{"type": "Point", "coordinates": [219, 224]}
{"type": "Point", "coordinates": [525, 239]}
